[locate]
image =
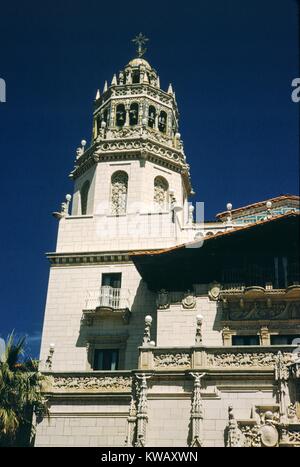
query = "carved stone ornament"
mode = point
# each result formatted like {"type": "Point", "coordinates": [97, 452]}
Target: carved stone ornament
{"type": "Point", "coordinates": [235, 437]}
{"type": "Point", "coordinates": [262, 359]}
{"type": "Point", "coordinates": [189, 301]}
{"type": "Point", "coordinates": [172, 360]}
{"type": "Point", "coordinates": [269, 436]}
{"type": "Point", "coordinates": [214, 290]}
{"type": "Point", "coordinates": [163, 301]}
{"type": "Point", "coordinates": [85, 383]}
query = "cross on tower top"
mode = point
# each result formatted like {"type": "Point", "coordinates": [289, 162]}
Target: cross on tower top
{"type": "Point", "coordinates": [140, 40]}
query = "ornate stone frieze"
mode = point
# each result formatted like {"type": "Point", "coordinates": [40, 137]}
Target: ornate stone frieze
{"type": "Point", "coordinates": [245, 359]}
{"type": "Point", "coordinates": [182, 360]}
{"type": "Point", "coordinates": [291, 437]}
{"type": "Point", "coordinates": [86, 383]}
{"type": "Point", "coordinates": [259, 310]}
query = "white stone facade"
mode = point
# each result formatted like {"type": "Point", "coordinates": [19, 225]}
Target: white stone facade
{"type": "Point", "coordinates": [99, 408]}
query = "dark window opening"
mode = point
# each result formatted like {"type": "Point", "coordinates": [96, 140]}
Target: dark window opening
{"type": "Point", "coordinates": [135, 77]}
{"type": "Point", "coordinates": [284, 339]}
{"type": "Point", "coordinates": [120, 115]}
{"type": "Point", "coordinates": [133, 114]}
{"type": "Point", "coordinates": [245, 340]}
{"type": "Point", "coordinates": [84, 194]}
{"type": "Point", "coordinates": [106, 359]}
{"type": "Point", "coordinates": [151, 116]}
{"type": "Point", "coordinates": [162, 122]}
{"type": "Point", "coordinates": [112, 279]}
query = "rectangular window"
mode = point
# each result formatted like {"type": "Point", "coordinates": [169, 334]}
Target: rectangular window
{"type": "Point", "coordinates": [286, 339]}
{"type": "Point", "coordinates": [112, 279]}
{"type": "Point", "coordinates": [245, 340]}
{"type": "Point", "coordinates": [106, 359]}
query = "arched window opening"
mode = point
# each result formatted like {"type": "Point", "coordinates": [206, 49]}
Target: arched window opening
{"type": "Point", "coordinates": [120, 115]}
{"type": "Point", "coordinates": [119, 187]}
{"type": "Point", "coordinates": [135, 76]}
{"type": "Point", "coordinates": [162, 122]}
{"type": "Point", "coordinates": [84, 194]}
{"type": "Point", "coordinates": [151, 116]}
{"type": "Point", "coordinates": [105, 116]}
{"type": "Point", "coordinates": [133, 114]}
{"type": "Point", "coordinates": [161, 187]}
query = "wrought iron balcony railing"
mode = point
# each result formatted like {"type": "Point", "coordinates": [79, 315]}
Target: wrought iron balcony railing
{"type": "Point", "coordinates": [106, 300]}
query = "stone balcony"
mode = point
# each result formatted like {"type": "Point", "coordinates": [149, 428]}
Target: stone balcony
{"type": "Point", "coordinates": [104, 302]}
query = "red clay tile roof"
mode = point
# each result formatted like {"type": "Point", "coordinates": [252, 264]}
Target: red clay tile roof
{"type": "Point", "coordinates": [261, 203]}
{"type": "Point", "coordinates": [217, 235]}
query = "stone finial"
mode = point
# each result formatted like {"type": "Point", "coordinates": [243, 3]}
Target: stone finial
{"type": "Point", "coordinates": [97, 95]}
{"type": "Point", "coordinates": [50, 357]}
{"type": "Point", "coordinates": [114, 80]}
{"type": "Point", "coordinates": [229, 209]}
{"type": "Point", "coordinates": [147, 336]}
{"type": "Point", "coordinates": [64, 210]}
{"type": "Point", "coordinates": [105, 88]}
{"type": "Point", "coordinates": [269, 209]}
{"type": "Point", "coordinates": [170, 89]}
{"type": "Point", "coordinates": [198, 337]}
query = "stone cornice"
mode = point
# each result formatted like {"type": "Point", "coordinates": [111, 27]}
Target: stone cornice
{"type": "Point", "coordinates": [88, 258]}
{"type": "Point", "coordinates": [132, 149]}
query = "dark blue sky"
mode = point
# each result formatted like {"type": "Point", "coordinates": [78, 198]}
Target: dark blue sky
{"type": "Point", "coordinates": [231, 63]}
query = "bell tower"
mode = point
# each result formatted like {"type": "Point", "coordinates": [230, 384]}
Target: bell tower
{"type": "Point", "coordinates": [135, 166]}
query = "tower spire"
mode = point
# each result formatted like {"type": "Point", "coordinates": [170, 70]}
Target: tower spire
{"type": "Point", "coordinates": [140, 40]}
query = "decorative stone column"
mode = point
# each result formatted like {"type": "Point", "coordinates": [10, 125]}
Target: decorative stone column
{"type": "Point", "coordinates": [281, 377]}
{"type": "Point", "coordinates": [142, 411]}
{"type": "Point", "coordinates": [131, 420]}
{"type": "Point", "coordinates": [127, 108]}
{"type": "Point", "coordinates": [197, 412]}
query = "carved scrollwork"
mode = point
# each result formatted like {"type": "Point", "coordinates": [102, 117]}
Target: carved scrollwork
{"type": "Point", "coordinates": [262, 359]}
{"type": "Point", "coordinates": [172, 360]}
{"type": "Point", "coordinates": [105, 384]}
